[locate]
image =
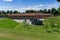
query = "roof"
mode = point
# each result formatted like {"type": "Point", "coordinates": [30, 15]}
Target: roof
{"type": "Point", "coordinates": [29, 14]}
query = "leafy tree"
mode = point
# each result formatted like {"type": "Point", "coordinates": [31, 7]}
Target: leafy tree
{"type": "Point", "coordinates": [59, 7]}
{"type": "Point", "coordinates": [49, 11]}
{"type": "Point", "coordinates": [53, 11]}
{"type": "Point", "coordinates": [8, 11]}
{"type": "Point", "coordinates": [58, 10]}
{"type": "Point", "coordinates": [40, 11]}
{"type": "Point", "coordinates": [45, 11]}
{"type": "Point", "coordinates": [58, 0]}
{"type": "Point", "coordinates": [3, 13]}
{"type": "Point", "coordinates": [11, 12]}
{"type": "Point", "coordinates": [31, 11]}
{"type": "Point", "coordinates": [16, 12]}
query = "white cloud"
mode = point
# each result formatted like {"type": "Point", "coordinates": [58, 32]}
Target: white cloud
{"type": "Point", "coordinates": [40, 5]}
{"type": "Point", "coordinates": [49, 6]}
{"type": "Point", "coordinates": [8, 0]}
{"type": "Point", "coordinates": [5, 8]}
{"type": "Point", "coordinates": [36, 7]}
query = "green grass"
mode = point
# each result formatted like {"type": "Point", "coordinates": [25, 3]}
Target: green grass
{"type": "Point", "coordinates": [7, 23]}
{"type": "Point", "coordinates": [35, 33]}
{"type": "Point", "coordinates": [3, 38]}
{"type": "Point", "coordinates": [22, 31]}
{"type": "Point", "coordinates": [53, 21]}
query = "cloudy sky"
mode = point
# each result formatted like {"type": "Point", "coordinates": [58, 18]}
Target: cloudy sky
{"type": "Point", "coordinates": [22, 5]}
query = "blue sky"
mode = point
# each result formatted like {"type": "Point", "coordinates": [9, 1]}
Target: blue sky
{"type": "Point", "coordinates": [22, 5]}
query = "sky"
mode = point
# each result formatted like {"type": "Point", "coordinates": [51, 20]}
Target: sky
{"type": "Point", "coordinates": [23, 5]}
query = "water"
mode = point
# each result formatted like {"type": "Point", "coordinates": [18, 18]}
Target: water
{"type": "Point", "coordinates": [27, 21]}
{"type": "Point", "coordinates": [22, 20]}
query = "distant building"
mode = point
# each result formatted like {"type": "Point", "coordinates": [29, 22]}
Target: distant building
{"type": "Point", "coordinates": [28, 15]}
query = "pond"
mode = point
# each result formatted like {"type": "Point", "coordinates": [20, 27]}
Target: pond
{"type": "Point", "coordinates": [21, 20]}
{"type": "Point", "coordinates": [28, 21]}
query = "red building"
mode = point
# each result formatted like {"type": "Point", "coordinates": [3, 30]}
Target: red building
{"type": "Point", "coordinates": [28, 15]}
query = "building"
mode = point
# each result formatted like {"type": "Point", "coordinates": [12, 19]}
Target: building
{"type": "Point", "coordinates": [28, 15]}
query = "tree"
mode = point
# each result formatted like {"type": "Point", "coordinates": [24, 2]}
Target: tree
{"type": "Point", "coordinates": [59, 7]}
{"type": "Point", "coordinates": [3, 13]}
{"type": "Point", "coordinates": [58, 10]}
{"type": "Point", "coordinates": [31, 11]}
{"type": "Point", "coordinates": [9, 12]}
{"type": "Point", "coordinates": [45, 11]}
{"type": "Point", "coordinates": [49, 11]}
{"type": "Point", "coordinates": [53, 11]}
{"type": "Point", "coordinates": [58, 0]}
{"type": "Point", "coordinates": [40, 11]}
{"type": "Point", "coordinates": [16, 12]}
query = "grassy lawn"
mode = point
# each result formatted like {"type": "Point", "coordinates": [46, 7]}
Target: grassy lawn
{"type": "Point", "coordinates": [53, 20]}
{"type": "Point", "coordinates": [21, 31]}
{"type": "Point", "coordinates": [7, 23]}
{"type": "Point", "coordinates": [3, 38]}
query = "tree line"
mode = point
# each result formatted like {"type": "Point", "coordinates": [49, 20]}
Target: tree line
{"type": "Point", "coordinates": [52, 11]}
{"type": "Point", "coordinates": [5, 13]}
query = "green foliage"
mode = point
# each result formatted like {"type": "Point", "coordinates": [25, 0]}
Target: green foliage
{"type": "Point", "coordinates": [53, 10]}
{"type": "Point", "coordinates": [16, 12]}
{"type": "Point", "coordinates": [58, 0]}
{"type": "Point", "coordinates": [59, 9]}
{"type": "Point", "coordinates": [48, 11]}
{"type": "Point", "coordinates": [45, 11]}
{"type": "Point", "coordinates": [31, 11]}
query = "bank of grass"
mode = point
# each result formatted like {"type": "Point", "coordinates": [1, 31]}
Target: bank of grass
{"type": "Point", "coordinates": [7, 23]}
{"type": "Point", "coordinates": [53, 23]}
{"type": "Point", "coordinates": [35, 33]}
{"type": "Point", "coordinates": [28, 32]}
{"type": "Point", "coordinates": [55, 20]}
